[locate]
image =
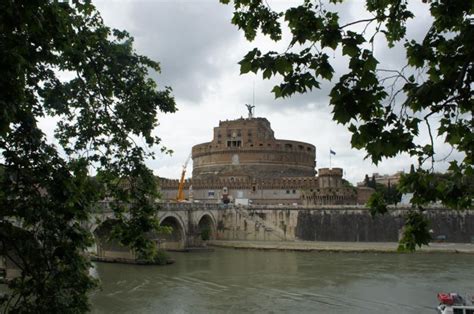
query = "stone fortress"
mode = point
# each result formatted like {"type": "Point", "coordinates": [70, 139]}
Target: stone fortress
{"type": "Point", "coordinates": [245, 164]}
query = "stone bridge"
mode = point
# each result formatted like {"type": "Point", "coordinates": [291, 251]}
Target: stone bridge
{"type": "Point", "coordinates": [189, 225]}
{"type": "Point", "coordinates": [189, 221]}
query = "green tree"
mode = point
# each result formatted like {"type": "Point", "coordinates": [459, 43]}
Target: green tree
{"type": "Point", "coordinates": [390, 193]}
{"type": "Point", "coordinates": [384, 109]}
{"type": "Point", "coordinates": [366, 180]}
{"type": "Point", "coordinates": [59, 60]}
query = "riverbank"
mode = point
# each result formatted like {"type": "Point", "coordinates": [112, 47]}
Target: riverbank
{"type": "Point", "coordinates": [354, 247]}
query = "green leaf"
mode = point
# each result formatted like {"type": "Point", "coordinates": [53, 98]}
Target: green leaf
{"type": "Point", "coordinates": [245, 66]}
{"type": "Point", "coordinates": [283, 66]}
{"type": "Point", "coordinates": [376, 204]}
{"type": "Point", "coordinates": [277, 91]}
{"type": "Point", "coordinates": [267, 73]}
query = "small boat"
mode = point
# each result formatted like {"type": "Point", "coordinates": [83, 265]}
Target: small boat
{"type": "Point", "coordinates": [454, 303]}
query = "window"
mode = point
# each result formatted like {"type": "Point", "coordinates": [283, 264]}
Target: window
{"type": "Point", "coordinates": [234, 143]}
{"type": "Point", "coordinates": [287, 191]}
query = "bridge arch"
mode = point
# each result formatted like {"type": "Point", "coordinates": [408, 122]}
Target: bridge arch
{"type": "Point", "coordinates": [207, 227]}
{"type": "Point", "coordinates": [176, 240]}
{"type": "Point", "coordinates": [108, 248]}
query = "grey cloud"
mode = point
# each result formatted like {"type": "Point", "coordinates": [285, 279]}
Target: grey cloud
{"type": "Point", "coordinates": [198, 49]}
{"type": "Point", "coordinates": [185, 37]}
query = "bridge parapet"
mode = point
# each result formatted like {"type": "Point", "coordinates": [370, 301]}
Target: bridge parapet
{"type": "Point", "coordinates": [190, 206]}
{"type": "Point", "coordinates": [104, 206]}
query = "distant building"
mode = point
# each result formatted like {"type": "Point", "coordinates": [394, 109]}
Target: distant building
{"type": "Point", "coordinates": [386, 179]}
{"type": "Point", "coordinates": [245, 164]}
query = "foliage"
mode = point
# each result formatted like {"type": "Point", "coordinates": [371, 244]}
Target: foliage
{"type": "Point", "coordinates": [59, 60]}
{"type": "Point", "coordinates": [390, 193]}
{"type": "Point", "coordinates": [347, 184]}
{"type": "Point", "coordinates": [370, 182]}
{"type": "Point", "coordinates": [206, 234]}
{"type": "Point", "coordinates": [384, 109]}
{"type": "Point", "coordinates": [426, 186]}
{"type": "Point", "coordinates": [415, 232]}
{"type": "Point", "coordinates": [162, 258]}
{"type": "Point", "coordinates": [376, 204]}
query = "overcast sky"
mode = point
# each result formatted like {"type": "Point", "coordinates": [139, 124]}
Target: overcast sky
{"type": "Point", "coordinates": [198, 49]}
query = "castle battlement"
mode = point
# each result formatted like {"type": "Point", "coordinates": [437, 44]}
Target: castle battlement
{"type": "Point", "coordinates": [336, 172]}
{"type": "Point", "coordinates": [243, 183]}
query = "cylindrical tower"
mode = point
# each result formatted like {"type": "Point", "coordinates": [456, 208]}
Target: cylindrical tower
{"type": "Point", "coordinates": [248, 148]}
{"type": "Point", "coordinates": [330, 177]}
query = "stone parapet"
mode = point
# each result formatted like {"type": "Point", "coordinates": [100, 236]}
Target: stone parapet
{"type": "Point", "coordinates": [337, 172]}
{"type": "Point", "coordinates": [280, 146]}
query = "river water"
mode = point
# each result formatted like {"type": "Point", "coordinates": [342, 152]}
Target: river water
{"type": "Point", "coordinates": [253, 281]}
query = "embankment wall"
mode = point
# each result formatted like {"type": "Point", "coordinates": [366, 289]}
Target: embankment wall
{"type": "Point", "coordinates": [331, 223]}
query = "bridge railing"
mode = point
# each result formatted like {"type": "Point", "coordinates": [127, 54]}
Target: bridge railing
{"type": "Point", "coordinates": [104, 206]}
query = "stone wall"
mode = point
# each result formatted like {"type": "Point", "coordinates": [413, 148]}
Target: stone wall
{"type": "Point", "coordinates": [256, 225]}
{"type": "Point", "coordinates": [337, 223]}
{"type": "Point", "coordinates": [327, 189]}
{"type": "Point", "coordinates": [358, 225]}
{"type": "Point", "coordinates": [348, 225]}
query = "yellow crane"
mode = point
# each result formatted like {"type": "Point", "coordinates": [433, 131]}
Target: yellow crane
{"type": "Point", "coordinates": [180, 195]}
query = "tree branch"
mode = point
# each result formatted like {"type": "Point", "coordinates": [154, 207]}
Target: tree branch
{"type": "Point", "coordinates": [357, 22]}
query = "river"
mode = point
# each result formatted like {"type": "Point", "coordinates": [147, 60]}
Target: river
{"type": "Point", "coordinates": [254, 281]}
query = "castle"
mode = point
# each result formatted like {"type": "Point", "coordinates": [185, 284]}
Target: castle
{"type": "Point", "coordinates": [245, 164]}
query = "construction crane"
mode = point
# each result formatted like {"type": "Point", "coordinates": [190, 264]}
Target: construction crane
{"type": "Point", "coordinates": [180, 195]}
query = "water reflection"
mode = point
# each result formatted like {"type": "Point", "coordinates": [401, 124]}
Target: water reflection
{"type": "Point", "coordinates": [238, 281]}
